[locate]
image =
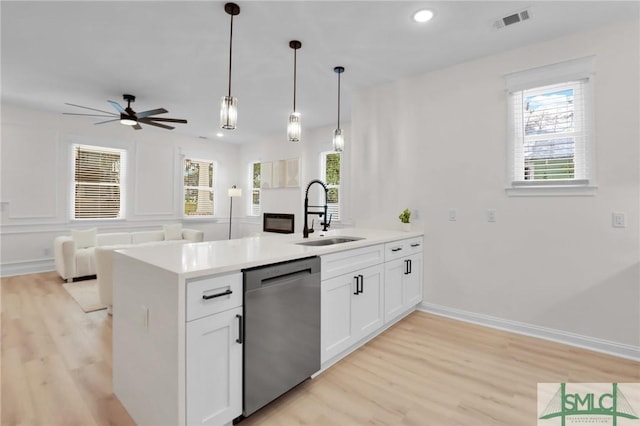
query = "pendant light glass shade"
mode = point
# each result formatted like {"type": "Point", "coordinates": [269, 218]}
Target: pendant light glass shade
{"type": "Point", "coordinates": [294, 127]}
{"type": "Point", "coordinates": [228, 112]}
{"type": "Point", "coordinates": [338, 138]}
{"type": "Point", "coordinates": [229, 104]}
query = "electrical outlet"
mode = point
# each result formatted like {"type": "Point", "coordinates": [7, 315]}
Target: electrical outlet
{"type": "Point", "coordinates": [453, 215]}
{"type": "Point", "coordinates": [618, 220]}
{"type": "Point", "coordinates": [46, 251]}
{"type": "Point", "coordinates": [491, 215]}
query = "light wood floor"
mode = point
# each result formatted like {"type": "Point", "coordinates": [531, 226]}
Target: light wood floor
{"type": "Point", "coordinates": [425, 370]}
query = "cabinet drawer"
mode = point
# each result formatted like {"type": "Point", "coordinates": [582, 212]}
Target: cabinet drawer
{"type": "Point", "coordinates": [343, 262]}
{"type": "Point", "coordinates": [397, 249]}
{"type": "Point", "coordinates": [211, 295]}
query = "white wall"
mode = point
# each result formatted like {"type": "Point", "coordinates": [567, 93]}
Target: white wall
{"type": "Point", "coordinates": [36, 181]}
{"type": "Point", "coordinates": [438, 141]}
{"type": "Point", "coordinates": [291, 200]}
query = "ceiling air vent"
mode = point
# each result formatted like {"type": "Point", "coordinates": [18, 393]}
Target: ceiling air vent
{"type": "Point", "coordinates": [514, 18]}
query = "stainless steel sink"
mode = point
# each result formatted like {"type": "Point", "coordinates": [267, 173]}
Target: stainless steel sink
{"type": "Point", "coordinates": [329, 241]}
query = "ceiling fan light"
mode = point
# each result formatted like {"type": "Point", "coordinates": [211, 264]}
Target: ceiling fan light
{"type": "Point", "coordinates": [127, 121]}
{"type": "Point", "coordinates": [228, 112]}
{"type": "Point", "coordinates": [338, 140]}
{"type": "Point", "coordinates": [294, 128]}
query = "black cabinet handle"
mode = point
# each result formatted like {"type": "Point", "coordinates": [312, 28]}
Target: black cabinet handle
{"type": "Point", "coordinates": [406, 266]}
{"type": "Point", "coordinates": [409, 264]}
{"type": "Point", "coordinates": [357, 287]}
{"type": "Point", "coordinates": [213, 296]}
{"type": "Point", "coordinates": [415, 245]}
{"type": "Point", "coordinates": [396, 249]}
{"type": "Point", "coordinates": [361, 290]}
{"type": "Point", "coordinates": [240, 338]}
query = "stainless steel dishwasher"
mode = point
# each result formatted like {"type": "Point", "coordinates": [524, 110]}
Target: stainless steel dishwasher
{"type": "Point", "coordinates": [281, 329]}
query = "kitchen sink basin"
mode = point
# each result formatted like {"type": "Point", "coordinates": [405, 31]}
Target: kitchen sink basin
{"type": "Point", "coordinates": [329, 241]}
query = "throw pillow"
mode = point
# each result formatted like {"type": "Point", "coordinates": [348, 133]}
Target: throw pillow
{"type": "Point", "coordinates": [173, 231]}
{"type": "Point", "coordinates": [84, 237]}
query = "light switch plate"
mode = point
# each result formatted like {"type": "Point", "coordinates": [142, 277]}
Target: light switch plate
{"type": "Point", "coordinates": [618, 220]}
{"type": "Point", "coordinates": [491, 215]}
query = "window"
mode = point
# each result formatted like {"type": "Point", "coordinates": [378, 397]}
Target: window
{"type": "Point", "coordinates": [98, 182]}
{"type": "Point", "coordinates": [254, 176]}
{"type": "Point", "coordinates": [198, 188]}
{"type": "Point", "coordinates": [550, 135]}
{"type": "Point", "coordinates": [331, 176]}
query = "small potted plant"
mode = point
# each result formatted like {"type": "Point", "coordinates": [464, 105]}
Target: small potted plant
{"type": "Point", "coordinates": [405, 218]}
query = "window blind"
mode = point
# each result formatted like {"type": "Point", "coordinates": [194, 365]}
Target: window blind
{"type": "Point", "coordinates": [198, 188]}
{"type": "Point", "coordinates": [550, 135]}
{"type": "Point", "coordinates": [97, 182]}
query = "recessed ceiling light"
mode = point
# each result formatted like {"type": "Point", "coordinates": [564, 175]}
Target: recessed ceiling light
{"type": "Point", "coordinates": [219, 134]}
{"type": "Point", "coordinates": [423, 15]}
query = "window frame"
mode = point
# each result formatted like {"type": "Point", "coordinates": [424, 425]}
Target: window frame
{"type": "Point", "coordinates": [250, 207]}
{"type": "Point", "coordinates": [340, 186]}
{"type": "Point", "coordinates": [212, 189]}
{"type": "Point", "coordinates": [122, 181]}
{"type": "Point", "coordinates": [577, 70]}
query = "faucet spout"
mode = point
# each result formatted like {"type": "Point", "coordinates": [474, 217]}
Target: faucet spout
{"type": "Point", "coordinates": [305, 230]}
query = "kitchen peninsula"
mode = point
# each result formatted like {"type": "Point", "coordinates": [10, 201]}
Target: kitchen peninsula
{"type": "Point", "coordinates": [178, 322]}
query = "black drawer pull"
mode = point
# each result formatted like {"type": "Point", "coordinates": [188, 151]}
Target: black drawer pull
{"type": "Point", "coordinates": [396, 249]}
{"type": "Point", "coordinates": [357, 285]}
{"type": "Point", "coordinates": [225, 293]}
{"type": "Point", "coordinates": [240, 338]}
{"type": "Point", "coordinates": [415, 245]}
{"type": "Point", "coordinates": [361, 289]}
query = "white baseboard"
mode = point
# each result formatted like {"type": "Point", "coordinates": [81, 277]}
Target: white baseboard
{"type": "Point", "coordinates": [27, 267]}
{"type": "Point", "coordinates": [586, 342]}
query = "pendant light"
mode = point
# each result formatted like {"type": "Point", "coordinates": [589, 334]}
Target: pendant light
{"type": "Point", "coordinates": [338, 139]}
{"type": "Point", "coordinates": [229, 104]}
{"type": "Point", "coordinates": [294, 128]}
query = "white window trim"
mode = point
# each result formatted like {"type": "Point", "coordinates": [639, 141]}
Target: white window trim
{"type": "Point", "coordinates": [123, 183]}
{"type": "Point", "coordinates": [576, 69]}
{"type": "Point", "coordinates": [323, 169]}
{"type": "Point", "coordinates": [214, 189]}
{"type": "Point", "coordinates": [251, 189]}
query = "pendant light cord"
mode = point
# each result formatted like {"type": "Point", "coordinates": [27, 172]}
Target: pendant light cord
{"type": "Point", "coordinates": [295, 60]}
{"type": "Point", "coordinates": [339, 100]}
{"type": "Point", "coordinates": [230, 50]}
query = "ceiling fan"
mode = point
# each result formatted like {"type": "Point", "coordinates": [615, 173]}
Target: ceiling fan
{"type": "Point", "coordinates": [129, 117]}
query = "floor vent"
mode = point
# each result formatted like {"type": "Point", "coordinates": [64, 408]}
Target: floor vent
{"type": "Point", "coordinates": [514, 18]}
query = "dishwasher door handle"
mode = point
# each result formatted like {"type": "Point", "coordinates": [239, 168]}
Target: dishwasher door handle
{"type": "Point", "coordinates": [240, 338]}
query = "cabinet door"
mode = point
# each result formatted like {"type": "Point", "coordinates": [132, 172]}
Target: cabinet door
{"type": "Point", "coordinates": [214, 369]}
{"type": "Point", "coordinates": [412, 282]}
{"type": "Point", "coordinates": [336, 329]}
{"type": "Point", "coordinates": [393, 289]}
{"type": "Point", "coordinates": [367, 305]}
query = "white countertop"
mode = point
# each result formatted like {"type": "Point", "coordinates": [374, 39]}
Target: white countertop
{"type": "Point", "coordinates": [214, 257]}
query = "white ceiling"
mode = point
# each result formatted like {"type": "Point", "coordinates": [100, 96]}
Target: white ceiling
{"type": "Point", "coordinates": [174, 54]}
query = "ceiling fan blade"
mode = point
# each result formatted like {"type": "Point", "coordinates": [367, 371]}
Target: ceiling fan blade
{"type": "Point", "coordinates": [148, 121]}
{"type": "Point", "coordinates": [108, 121]}
{"type": "Point", "coordinates": [92, 109]}
{"type": "Point", "coordinates": [137, 127]}
{"type": "Point", "coordinates": [168, 120]}
{"type": "Point", "coordinates": [117, 107]}
{"type": "Point", "coordinates": [89, 115]}
{"type": "Point", "coordinates": [151, 112]}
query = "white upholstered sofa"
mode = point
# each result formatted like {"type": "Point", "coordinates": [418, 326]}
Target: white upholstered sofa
{"type": "Point", "coordinates": [75, 254]}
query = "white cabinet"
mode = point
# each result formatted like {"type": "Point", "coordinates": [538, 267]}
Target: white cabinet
{"type": "Point", "coordinates": [352, 308]}
{"type": "Point", "coordinates": [403, 277]}
{"type": "Point", "coordinates": [214, 369]}
{"type": "Point", "coordinates": [214, 350]}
